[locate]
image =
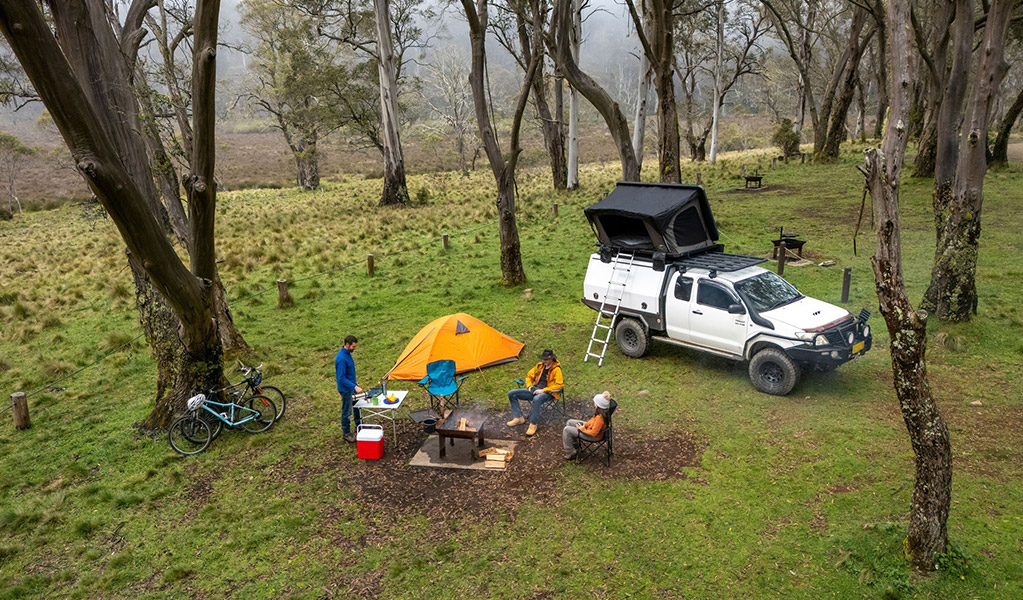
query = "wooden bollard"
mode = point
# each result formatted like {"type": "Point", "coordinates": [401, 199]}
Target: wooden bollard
{"type": "Point", "coordinates": [802, 158]}
{"type": "Point", "coordinates": [444, 240]}
{"type": "Point", "coordinates": [846, 280]}
{"type": "Point", "coordinates": [284, 299]}
{"type": "Point", "coordinates": [744, 171]}
{"type": "Point", "coordinates": [20, 402]}
{"type": "Point", "coordinates": [774, 160]}
{"type": "Point", "coordinates": [781, 258]}
{"type": "Point", "coordinates": [786, 158]}
{"type": "Point", "coordinates": [555, 210]}
{"type": "Point", "coordinates": [369, 264]}
{"type": "Point", "coordinates": [699, 178]}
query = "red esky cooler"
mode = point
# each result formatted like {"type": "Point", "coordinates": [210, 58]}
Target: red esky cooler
{"type": "Point", "coordinates": [369, 441]}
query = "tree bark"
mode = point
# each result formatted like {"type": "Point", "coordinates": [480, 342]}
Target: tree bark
{"type": "Point", "coordinates": [882, 78]}
{"type": "Point", "coordinates": [1000, 150]}
{"type": "Point", "coordinates": [932, 491]}
{"type": "Point", "coordinates": [502, 166]}
{"type": "Point", "coordinates": [958, 203]}
{"type": "Point", "coordinates": [639, 121]}
{"type": "Point", "coordinates": [838, 113]}
{"type": "Point", "coordinates": [719, 45]}
{"type": "Point", "coordinates": [395, 189]}
{"type": "Point", "coordinates": [573, 96]}
{"type": "Point", "coordinates": [553, 137]}
{"type": "Point", "coordinates": [595, 94]}
{"type": "Point", "coordinates": [935, 62]}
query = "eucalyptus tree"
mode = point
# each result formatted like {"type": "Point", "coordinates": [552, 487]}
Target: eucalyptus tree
{"type": "Point", "coordinates": [384, 32]}
{"type": "Point", "coordinates": [927, 538]}
{"type": "Point", "coordinates": [293, 71]}
{"type": "Point", "coordinates": [501, 163]}
{"type": "Point", "coordinates": [76, 65]}
{"type": "Point", "coordinates": [961, 156]}
{"type": "Point", "coordinates": [512, 27]}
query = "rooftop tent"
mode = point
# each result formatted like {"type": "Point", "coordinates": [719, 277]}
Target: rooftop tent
{"type": "Point", "coordinates": [654, 217]}
{"type": "Point", "coordinates": [471, 343]}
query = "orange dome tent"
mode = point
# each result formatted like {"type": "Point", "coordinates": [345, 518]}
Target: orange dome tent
{"type": "Point", "coordinates": [471, 343]}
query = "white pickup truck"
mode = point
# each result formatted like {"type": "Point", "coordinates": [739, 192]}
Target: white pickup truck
{"type": "Point", "coordinates": [707, 300]}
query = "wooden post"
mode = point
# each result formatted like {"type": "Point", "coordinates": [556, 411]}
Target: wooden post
{"type": "Point", "coordinates": [786, 158]}
{"type": "Point", "coordinates": [744, 171]}
{"type": "Point", "coordinates": [369, 264]}
{"type": "Point", "coordinates": [781, 257]}
{"type": "Point", "coordinates": [555, 210]}
{"type": "Point", "coordinates": [846, 280]}
{"type": "Point", "coordinates": [444, 240]}
{"type": "Point", "coordinates": [21, 420]}
{"type": "Point", "coordinates": [284, 299]}
{"type": "Point", "coordinates": [774, 160]}
{"type": "Point", "coordinates": [699, 178]}
{"type": "Point", "coordinates": [802, 158]}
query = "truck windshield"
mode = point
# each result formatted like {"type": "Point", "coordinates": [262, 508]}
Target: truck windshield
{"type": "Point", "coordinates": [767, 291]}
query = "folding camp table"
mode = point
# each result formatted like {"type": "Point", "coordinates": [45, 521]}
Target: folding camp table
{"type": "Point", "coordinates": [373, 407]}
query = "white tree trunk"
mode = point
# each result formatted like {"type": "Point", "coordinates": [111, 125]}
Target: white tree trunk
{"type": "Point", "coordinates": [395, 188]}
{"type": "Point", "coordinates": [717, 82]}
{"type": "Point", "coordinates": [573, 102]}
{"type": "Point", "coordinates": [639, 124]}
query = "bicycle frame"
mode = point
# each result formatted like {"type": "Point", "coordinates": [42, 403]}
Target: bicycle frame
{"type": "Point", "coordinates": [230, 423]}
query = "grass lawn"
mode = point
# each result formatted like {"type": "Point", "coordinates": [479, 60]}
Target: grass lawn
{"type": "Point", "coordinates": [804, 496]}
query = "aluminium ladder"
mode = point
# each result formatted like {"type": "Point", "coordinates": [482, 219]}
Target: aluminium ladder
{"type": "Point", "coordinates": [622, 263]}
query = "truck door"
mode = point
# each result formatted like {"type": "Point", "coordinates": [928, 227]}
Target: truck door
{"type": "Point", "coordinates": [710, 323]}
{"type": "Point", "coordinates": [676, 307]}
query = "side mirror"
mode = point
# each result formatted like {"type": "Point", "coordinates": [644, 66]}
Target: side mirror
{"type": "Point", "coordinates": [736, 309]}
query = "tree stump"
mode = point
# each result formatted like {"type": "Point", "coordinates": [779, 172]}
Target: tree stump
{"type": "Point", "coordinates": [20, 402]}
{"type": "Point", "coordinates": [284, 299]}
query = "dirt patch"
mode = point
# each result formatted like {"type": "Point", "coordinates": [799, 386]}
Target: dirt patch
{"type": "Point", "coordinates": [533, 475]}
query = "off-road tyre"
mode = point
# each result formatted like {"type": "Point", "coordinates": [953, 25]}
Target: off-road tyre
{"type": "Point", "coordinates": [773, 372]}
{"type": "Point", "coordinates": [632, 338]}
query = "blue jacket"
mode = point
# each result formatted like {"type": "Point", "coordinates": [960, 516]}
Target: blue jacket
{"type": "Point", "coordinates": [344, 370]}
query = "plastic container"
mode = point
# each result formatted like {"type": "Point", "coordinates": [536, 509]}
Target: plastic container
{"type": "Point", "coordinates": [369, 441]}
{"type": "Point", "coordinates": [430, 426]}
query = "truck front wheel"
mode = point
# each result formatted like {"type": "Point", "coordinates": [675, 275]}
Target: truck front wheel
{"type": "Point", "coordinates": [773, 372]}
{"type": "Point", "coordinates": [632, 338]}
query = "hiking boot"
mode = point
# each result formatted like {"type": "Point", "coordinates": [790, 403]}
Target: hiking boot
{"type": "Point", "coordinates": [570, 455]}
{"type": "Point", "coordinates": [531, 429]}
{"type": "Point", "coordinates": [516, 421]}
{"type": "Point", "coordinates": [350, 438]}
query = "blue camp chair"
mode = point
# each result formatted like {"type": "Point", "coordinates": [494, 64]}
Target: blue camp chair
{"type": "Point", "coordinates": [442, 385]}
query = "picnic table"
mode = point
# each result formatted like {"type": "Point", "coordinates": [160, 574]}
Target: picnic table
{"type": "Point", "coordinates": [373, 407]}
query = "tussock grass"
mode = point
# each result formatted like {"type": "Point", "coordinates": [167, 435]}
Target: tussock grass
{"type": "Point", "coordinates": [802, 497]}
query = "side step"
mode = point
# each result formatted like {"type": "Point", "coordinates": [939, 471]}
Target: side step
{"type": "Point", "coordinates": [674, 342]}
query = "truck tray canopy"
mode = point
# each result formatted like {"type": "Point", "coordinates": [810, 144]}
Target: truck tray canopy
{"type": "Point", "coordinates": [654, 217]}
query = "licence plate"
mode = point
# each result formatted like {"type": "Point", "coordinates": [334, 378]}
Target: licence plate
{"type": "Point", "coordinates": [858, 347]}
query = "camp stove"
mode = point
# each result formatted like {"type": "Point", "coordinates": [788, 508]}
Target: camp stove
{"type": "Point", "coordinates": [461, 424]}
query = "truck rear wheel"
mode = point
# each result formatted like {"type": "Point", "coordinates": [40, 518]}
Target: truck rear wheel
{"type": "Point", "coordinates": [632, 338]}
{"type": "Point", "coordinates": [773, 372]}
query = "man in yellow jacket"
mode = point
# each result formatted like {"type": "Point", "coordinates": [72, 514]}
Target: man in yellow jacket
{"type": "Point", "coordinates": [543, 382]}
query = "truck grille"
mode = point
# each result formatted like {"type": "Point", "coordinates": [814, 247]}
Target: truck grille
{"type": "Point", "coordinates": [838, 335]}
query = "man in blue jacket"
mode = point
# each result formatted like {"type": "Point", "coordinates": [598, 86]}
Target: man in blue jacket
{"type": "Point", "coordinates": [344, 370]}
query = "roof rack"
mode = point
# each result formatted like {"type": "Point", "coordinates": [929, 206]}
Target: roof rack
{"type": "Point", "coordinates": [718, 261]}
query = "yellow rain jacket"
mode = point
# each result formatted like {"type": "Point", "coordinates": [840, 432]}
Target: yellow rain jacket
{"type": "Point", "coordinates": [555, 382]}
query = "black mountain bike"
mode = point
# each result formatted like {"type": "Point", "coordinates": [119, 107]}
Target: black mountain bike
{"type": "Point", "coordinates": [253, 386]}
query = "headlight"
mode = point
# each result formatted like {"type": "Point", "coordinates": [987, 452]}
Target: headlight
{"type": "Point", "coordinates": [804, 335]}
{"type": "Point", "coordinates": [820, 340]}
{"type": "Point", "coordinates": [866, 331]}
{"type": "Point", "coordinates": [849, 338]}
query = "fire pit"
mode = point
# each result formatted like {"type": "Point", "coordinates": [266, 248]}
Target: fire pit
{"type": "Point", "coordinates": [461, 424]}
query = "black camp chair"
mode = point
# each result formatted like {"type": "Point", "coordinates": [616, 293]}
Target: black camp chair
{"type": "Point", "coordinates": [605, 442]}
{"type": "Point", "coordinates": [555, 402]}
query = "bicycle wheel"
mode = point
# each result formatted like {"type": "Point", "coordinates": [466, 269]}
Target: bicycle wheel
{"type": "Point", "coordinates": [266, 417]}
{"type": "Point", "coordinates": [216, 425]}
{"type": "Point", "coordinates": [189, 435]}
{"type": "Point", "coordinates": [276, 396]}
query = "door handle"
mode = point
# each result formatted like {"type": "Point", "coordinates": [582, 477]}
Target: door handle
{"type": "Point", "coordinates": [696, 312]}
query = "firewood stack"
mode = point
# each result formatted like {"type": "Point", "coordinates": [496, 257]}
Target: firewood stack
{"type": "Point", "coordinates": [497, 458]}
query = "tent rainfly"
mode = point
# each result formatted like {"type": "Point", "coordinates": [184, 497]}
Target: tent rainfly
{"type": "Point", "coordinates": [471, 343]}
{"type": "Point", "coordinates": [654, 217]}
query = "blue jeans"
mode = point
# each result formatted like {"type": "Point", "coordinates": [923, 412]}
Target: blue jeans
{"type": "Point", "coordinates": [515, 396]}
{"type": "Point", "coordinates": [346, 414]}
